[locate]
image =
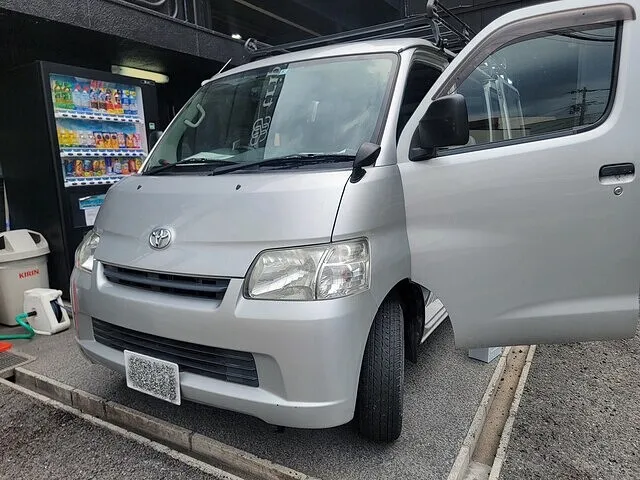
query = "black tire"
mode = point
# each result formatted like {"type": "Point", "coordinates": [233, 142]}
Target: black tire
{"type": "Point", "coordinates": [381, 387]}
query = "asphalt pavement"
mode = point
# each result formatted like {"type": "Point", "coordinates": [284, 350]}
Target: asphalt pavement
{"type": "Point", "coordinates": [579, 417]}
{"type": "Point", "coordinates": [442, 394]}
{"type": "Point", "coordinates": [38, 441]}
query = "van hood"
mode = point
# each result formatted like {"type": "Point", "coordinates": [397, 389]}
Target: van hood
{"type": "Point", "coordinates": [218, 224]}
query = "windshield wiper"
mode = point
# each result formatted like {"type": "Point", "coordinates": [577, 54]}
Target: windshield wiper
{"type": "Point", "coordinates": [188, 161]}
{"type": "Point", "coordinates": [288, 160]}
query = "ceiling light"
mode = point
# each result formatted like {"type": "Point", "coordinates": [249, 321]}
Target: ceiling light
{"type": "Point", "coordinates": [138, 73]}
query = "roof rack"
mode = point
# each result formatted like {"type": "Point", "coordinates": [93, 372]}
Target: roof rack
{"type": "Point", "coordinates": [438, 24]}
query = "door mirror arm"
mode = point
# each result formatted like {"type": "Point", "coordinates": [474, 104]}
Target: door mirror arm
{"type": "Point", "coordinates": [445, 124]}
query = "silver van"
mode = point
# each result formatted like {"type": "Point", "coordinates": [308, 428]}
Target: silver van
{"type": "Point", "coordinates": [302, 224]}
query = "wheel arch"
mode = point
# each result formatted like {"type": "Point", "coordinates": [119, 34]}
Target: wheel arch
{"type": "Point", "coordinates": [412, 300]}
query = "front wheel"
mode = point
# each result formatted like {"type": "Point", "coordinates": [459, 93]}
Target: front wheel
{"type": "Point", "coordinates": [380, 391]}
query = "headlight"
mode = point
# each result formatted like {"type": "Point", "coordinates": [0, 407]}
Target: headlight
{"type": "Point", "coordinates": [85, 251]}
{"type": "Point", "coordinates": [310, 273]}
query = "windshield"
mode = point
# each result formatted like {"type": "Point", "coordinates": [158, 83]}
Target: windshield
{"type": "Point", "coordinates": [312, 109]}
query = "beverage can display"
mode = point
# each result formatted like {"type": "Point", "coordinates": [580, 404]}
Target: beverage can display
{"type": "Point", "coordinates": [108, 166]}
{"type": "Point", "coordinates": [114, 141]}
{"type": "Point", "coordinates": [55, 89]}
{"type": "Point", "coordinates": [76, 97]}
{"type": "Point", "coordinates": [138, 164]}
{"type": "Point", "coordinates": [78, 166]}
{"type": "Point", "coordinates": [87, 166]}
{"type": "Point", "coordinates": [98, 140]}
{"type": "Point", "coordinates": [117, 105]}
{"type": "Point", "coordinates": [102, 104]}
{"type": "Point", "coordinates": [136, 140]}
{"type": "Point", "coordinates": [106, 140]}
{"type": "Point", "coordinates": [84, 139]}
{"type": "Point", "coordinates": [122, 143]}
{"type": "Point", "coordinates": [65, 138]}
{"type": "Point", "coordinates": [93, 96]}
{"type": "Point", "coordinates": [116, 166]}
{"type": "Point", "coordinates": [133, 102]}
{"type": "Point", "coordinates": [128, 140]}
{"type": "Point", "coordinates": [85, 98]}
{"type": "Point", "coordinates": [61, 137]}
{"type": "Point", "coordinates": [125, 101]}
{"type": "Point", "coordinates": [125, 167]}
{"type": "Point", "coordinates": [132, 166]}
{"type": "Point", "coordinates": [96, 168]}
{"type": "Point", "coordinates": [108, 99]}
{"type": "Point", "coordinates": [69, 168]}
{"type": "Point", "coordinates": [77, 138]}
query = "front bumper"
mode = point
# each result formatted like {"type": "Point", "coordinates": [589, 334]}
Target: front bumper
{"type": "Point", "coordinates": [307, 354]}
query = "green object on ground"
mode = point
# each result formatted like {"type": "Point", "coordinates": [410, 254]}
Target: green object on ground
{"type": "Point", "coordinates": [21, 320]}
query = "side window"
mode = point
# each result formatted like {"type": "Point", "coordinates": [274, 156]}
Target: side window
{"type": "Point", "coordinates": [541, 84]}
{"type": "Point", "coordinates": [420, 79]}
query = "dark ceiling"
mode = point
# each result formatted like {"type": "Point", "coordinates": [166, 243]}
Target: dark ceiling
{"type": "Point", "coordinates": [280, 21]}
{"type": "Point", "coordinates": [277, 21]}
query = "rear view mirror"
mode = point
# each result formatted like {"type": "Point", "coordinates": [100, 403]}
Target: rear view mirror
{"type": "Point", "coordinates": [445, 124]}
{"type": "Point", "coordinates": [366, 155]}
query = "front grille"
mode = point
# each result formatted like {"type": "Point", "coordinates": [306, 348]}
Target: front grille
{"type": "Point", "coordinates": [222, 364]}
{"type": "Point", "coordinates": [204, 287]}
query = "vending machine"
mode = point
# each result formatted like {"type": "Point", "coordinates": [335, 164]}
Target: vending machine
{"type": "Point", "coordinates": [66, 135]}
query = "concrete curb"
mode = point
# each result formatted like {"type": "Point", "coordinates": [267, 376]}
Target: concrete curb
{"type": "Point", "coordinates": [181, 457]}
{"type": "Point", "coordinates": [508, 426]}
{"type": "Point", "coordinates": [461, 464]}
{"type": "Point", "coordinates": [222, 456]}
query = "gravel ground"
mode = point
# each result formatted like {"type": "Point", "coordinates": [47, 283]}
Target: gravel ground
{"type": "Point", "coordinates": [442, 394]}
{"type": "Point", "coordinates": [40, 442]}
{"type": "Point", "coordinates": [579, 417]}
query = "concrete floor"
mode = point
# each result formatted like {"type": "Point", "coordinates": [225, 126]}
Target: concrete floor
{"type": "Point", "coordinates": [40, 442]}
{"type": "Point", "coordinates": [579, 417]}
{"type": "Point", "coordinates": [443, 392]}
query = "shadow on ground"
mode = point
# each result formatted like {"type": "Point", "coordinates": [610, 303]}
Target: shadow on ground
{"type": "Point", "coordinates": [442, 394]}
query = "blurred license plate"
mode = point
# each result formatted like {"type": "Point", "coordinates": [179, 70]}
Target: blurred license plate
{"type": "Point", "coordinates": [152, 376]}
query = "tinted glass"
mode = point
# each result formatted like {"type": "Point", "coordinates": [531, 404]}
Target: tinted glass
{"type": "Point", "coordinates": [537, 85]}
{"type": "Point", "coordinates": [420, 79]}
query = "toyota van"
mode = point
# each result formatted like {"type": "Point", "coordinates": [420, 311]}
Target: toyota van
{"type": "Point", "coordinates": [309, 218]}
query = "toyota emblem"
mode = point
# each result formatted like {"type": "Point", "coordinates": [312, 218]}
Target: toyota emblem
{"type": "Point", "coordinates": [160, 238]}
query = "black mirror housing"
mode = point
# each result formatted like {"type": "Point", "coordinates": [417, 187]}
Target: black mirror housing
{"type": "Point", "coordinates": [445, 124]}
{"type": "Point", "coordinates": [366, 155]}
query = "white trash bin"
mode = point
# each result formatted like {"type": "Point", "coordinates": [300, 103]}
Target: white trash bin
{"type": "Point", "coordinates": [23, 266]}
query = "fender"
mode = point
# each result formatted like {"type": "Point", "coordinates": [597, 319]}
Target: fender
{"type": "Point", "coordinates": [374, 208]}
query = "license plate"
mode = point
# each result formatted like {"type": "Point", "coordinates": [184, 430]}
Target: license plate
{"type": "Point", "coordinates": [152, 376]}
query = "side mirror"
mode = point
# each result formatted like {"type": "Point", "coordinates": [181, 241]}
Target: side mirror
{"type": "Point", "coordinates": [154, 137]}
{"type": "Point", "coordinates": [366, 155]}
{"type": "Point", "coordinates": [445, 124]}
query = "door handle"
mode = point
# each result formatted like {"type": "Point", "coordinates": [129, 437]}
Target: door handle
{"type": "Point", "coordinates": [617, 170]}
